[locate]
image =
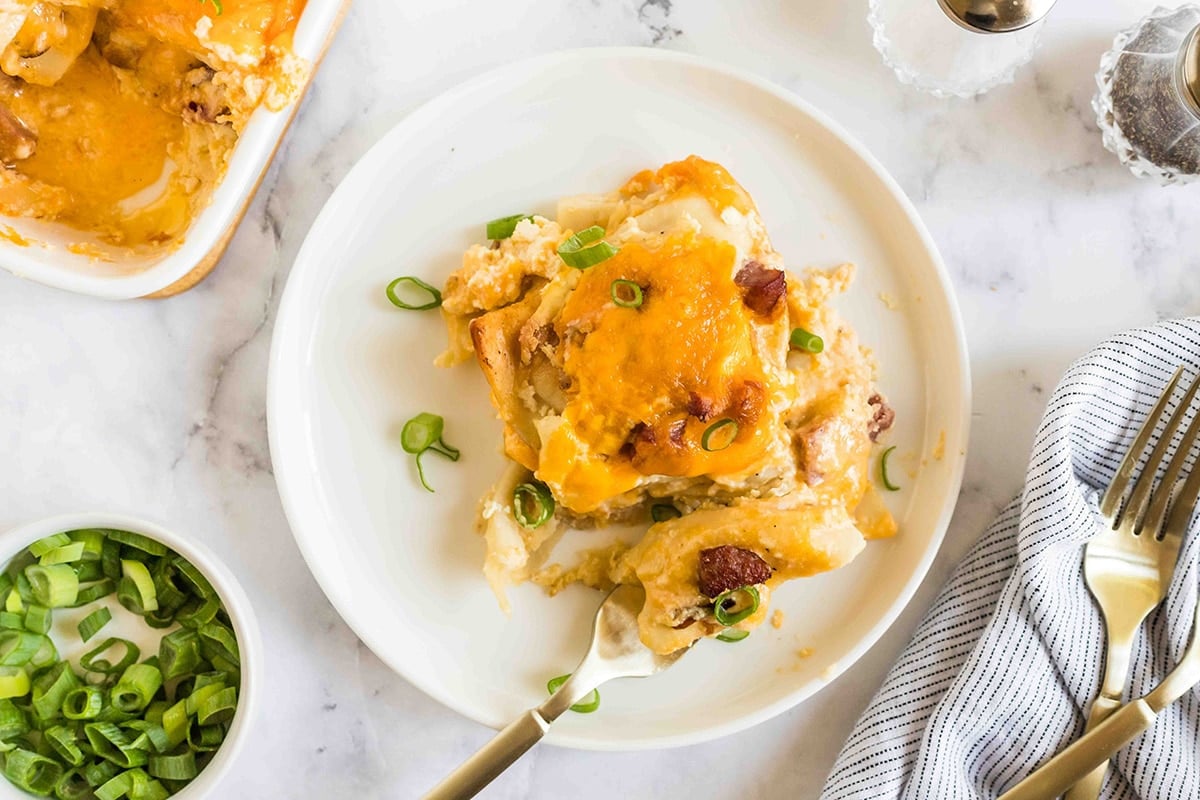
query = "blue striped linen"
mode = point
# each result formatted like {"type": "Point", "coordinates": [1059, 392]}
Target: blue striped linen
{"type": "Point", "coordinates": [999, 674]}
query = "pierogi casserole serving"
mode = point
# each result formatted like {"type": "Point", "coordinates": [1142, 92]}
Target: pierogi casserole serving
{"type": "Point", "coordinates": [118, 117]}
{"type": "Point", "coordinates": [655, 365]}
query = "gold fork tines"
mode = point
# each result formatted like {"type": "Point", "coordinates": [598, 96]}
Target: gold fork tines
{"type": "Point", "coordinates": [1129, 561]}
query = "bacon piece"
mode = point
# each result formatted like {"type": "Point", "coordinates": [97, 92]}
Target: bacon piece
{"type": "Point", "coordinates": [761, 287]}
{"type": "Point", "coordinates": [727, 567]}
{"type": "Point", "coordinates": [701, 407]}
{"type": "Point", "coordinates": [885, 415]}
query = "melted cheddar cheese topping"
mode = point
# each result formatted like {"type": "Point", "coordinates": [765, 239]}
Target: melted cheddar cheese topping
{"type": "Point", "coordinates": [637, 375]}
{"type": "Point", "coordinates": [117, 117]}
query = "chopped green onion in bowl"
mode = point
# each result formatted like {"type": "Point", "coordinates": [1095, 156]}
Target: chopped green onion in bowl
{"type": "Point", "coordinates": [143, 707]}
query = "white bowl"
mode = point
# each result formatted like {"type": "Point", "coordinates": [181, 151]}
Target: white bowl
{"type": "Point", "coordinates": [47, 260]}
{"type": "Point", "coordinates": [245, 627]}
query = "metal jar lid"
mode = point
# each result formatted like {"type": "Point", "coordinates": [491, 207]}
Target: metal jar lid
{"type": "Point", "coordinates": [1189, 70]}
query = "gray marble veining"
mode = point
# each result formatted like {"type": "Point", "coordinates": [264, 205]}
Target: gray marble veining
{"type": "Point", "coordinates": [158, 407]}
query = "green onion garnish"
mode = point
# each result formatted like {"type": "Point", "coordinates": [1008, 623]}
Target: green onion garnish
{"type": "Point", "coordinates": [90, 625]}
{"type": "Point", "coordinates": [586, 248]}
{"type": "Point", "coordinates": [735, 605]}
{"type": "Point", "coordinates": [732, 635]}
{"type": "Point", "coordinates": [111, 725]}
{"type": "Point", "coordinates": [219, 6]}
{"type": "Point", "coordinates": [532, 504]}
{"type": "Point", "coordinates": [503, 227]}
{"type": "Point", "coordinates": [804, 340]}
{"type": "Point", "coordinates": [719, 435]}
{"type": "Point", "coordinates": [585, 706]}
{"type": "Point", "coordinates": [435, 297]}
{"type": "Point", "coordinates": [424, 432]}
{"type": "Point", "coordinates": [883, 470]}
{"type": "Point", "coordinates": [661, 512]}
{"type": "Point", "coordinates": [626, 294]}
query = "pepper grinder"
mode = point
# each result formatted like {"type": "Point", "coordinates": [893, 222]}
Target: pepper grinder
{"type": "Point", "coordinates": [1148, 102]}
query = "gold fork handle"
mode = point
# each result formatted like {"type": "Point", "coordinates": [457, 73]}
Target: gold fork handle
{"type": "Point", "coordinates": [1089, 786]}
{"type": "Point", "coordinates": [1094, 748]}
{"type": "Point", "coordinates": [495, 757]}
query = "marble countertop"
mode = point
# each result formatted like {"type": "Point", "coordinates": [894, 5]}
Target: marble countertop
{"type": "Point", "coordinates": [158, 407]}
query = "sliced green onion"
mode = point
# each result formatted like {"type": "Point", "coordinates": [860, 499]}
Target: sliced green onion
{"type": "Point", "coordinates": [150, 735]}
{"type": "Point", "coordinates": [11, 620]}
{"type": "Point", "coordinates": [503, 227]}
{"type": "Point", "coordinates": [532, 504]}
{"type": "Point", "coordinates": [93, 541]}
{"type": "Point", "coordinates": [18, 647]}
{"type": "Point", "coordinates": [90, 625]}
{"type": "Point", "coordinates": [88, 571]}
{"type": "Point", "coordinates": [63, 740]}
{"type": "Point", "coordinates": [139, 542]}
{"type": "Point", "coordinates": [94, 591]}
{"type": "Point", "coordinates": [111, 743]}
{"type": "Point", "coordinates": [53, 585]}
{"type": "Point", "coordinates": [169, 594]}
{"type": "Point", "coordinates": [180, 767]}
{"type": "Point", "coordinates": [136, 687]}
{"type": "Point", "coordinates": [100, 772]}
{"type": "Point", "coordinates": [63, 555]}
{"type": "Point", "coordinates": [586, 248]}
{"type": "Point", "coordinates": [13, 603]}
{"type": "Point", "coordinates": [13, 722]}
{"type": "Point", "coordinates": [37, 618]}
{"type": "Point", "coordinates": [84, 702]}
{"type": "Point", "coordinates": [435, 297]}
{"type": "Point", "coordinates": [723, 607]}
{"type": "Point", "coordinates": [45, 545]}
{"type": "Point", "coordinates": [585, 706]}
{"type": "Point", "coordinates": [51, 689]}
{"type": "Point", "coordinates": [31, 772]}
{"type": "Point", "coordinates": [218, 707]}
{"type": "Point", "coordinates": [139, 575]}
{"type": "Point", "coordinates": [45, 655]}
{"type": "Point", "coordinates": [200, 585]}
{"type": "Point", "coordinates": [719, 435]}
{"type": "Point", "coordinates": [92, 662]}
{"type": "Point", "coordinates": [14, 682]}
{"type": "Point", "coordinates": [116, 787]}
{"type": "Point", "coordinates": [806, 341]}
{"type": "Point", "coordinates": [179, 653]}
{"type": "Point", "coordinates": [732, 635]}
{"type": "Point", "coordinates": [626, 294]}
{"type": "Point", "coordinates": [883, 470]}
{"type": "Point", "coordinates": [424, 432]}
{"type": "Point", "coordinates": [218, 641]}
{"type": "Point", "coordinates": [73, 786]}
{"type": "Point", "coordinates": [175, 723]}
{"type": "Point", "coordinates": [661, 512]}
{"type": "Point", "coordinates": [110, 559]}
{"type": "Point", "coordinates": [203, 738]}
{"type": "Point", "coordinates": [198, 613]}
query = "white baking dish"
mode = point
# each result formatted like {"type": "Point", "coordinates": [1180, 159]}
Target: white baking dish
{"type": "Point", "coordinates": [47, 260]}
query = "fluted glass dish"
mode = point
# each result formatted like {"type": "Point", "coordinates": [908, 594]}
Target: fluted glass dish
{"type": "Point", "coordinates": [926, 49]}
{"type": "Point", "coordinates": [1146, 115]}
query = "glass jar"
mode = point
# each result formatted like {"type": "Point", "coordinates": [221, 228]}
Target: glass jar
{"type": "Point", "coordinates": [1147, 104]}
{"type": "Point", "coordinates": [927, 50]}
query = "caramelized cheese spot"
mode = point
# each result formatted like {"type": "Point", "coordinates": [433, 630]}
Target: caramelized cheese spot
{"type": "Point", "coordinates": [635, 374]}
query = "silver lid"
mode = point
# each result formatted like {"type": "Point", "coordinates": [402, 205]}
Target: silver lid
{"type": "Point", "coordinates": [1189, 68]}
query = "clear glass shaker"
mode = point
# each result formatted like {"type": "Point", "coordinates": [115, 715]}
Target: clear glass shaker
{"type": "Point", "coordinates": [929, 51]}
{"type": "Point", "coordinates": [1148, 101]}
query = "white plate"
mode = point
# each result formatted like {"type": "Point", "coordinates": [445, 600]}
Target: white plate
{"type": "Point", "coordinates": [403, 566]}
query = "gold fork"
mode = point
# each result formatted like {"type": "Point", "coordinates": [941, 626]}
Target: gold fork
{"type": "Point", "coordinates": [1129, 561]}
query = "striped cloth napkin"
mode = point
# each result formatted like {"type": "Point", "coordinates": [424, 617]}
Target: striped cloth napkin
{"type": "Point", "coordinates": [999, 674]}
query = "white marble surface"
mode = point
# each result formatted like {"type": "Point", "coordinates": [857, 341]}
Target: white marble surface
{"type": "Point", "coordinates": [157, 407]}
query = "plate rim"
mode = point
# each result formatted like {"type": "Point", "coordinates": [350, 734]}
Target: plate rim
{"type": "Point", "coordinates": [958, 431]}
